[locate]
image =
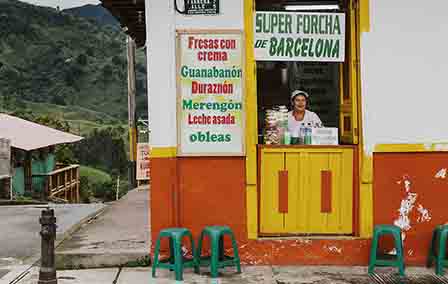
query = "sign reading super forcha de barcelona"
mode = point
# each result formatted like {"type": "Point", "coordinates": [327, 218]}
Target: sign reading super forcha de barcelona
{"type": "Point", "coordinates": [299, 36]}
{"type": "Point", "coordinates": [210, 80]}
{"type": "Point", "coordinates": [201, 7]}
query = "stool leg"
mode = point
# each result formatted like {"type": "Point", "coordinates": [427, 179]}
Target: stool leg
{"type": "Point", "coordinates": [221, 248]}
{"type": "Point", "coordinates": [431, 250]}
{"type": "Point", "coordinates": [440, 258]}
{"type": "Point", "coordinates": [214, 257]}
{"type": "Point", "coordinates": [178, 259]}
{"type": "Point", "coordinates": [193, 251]}
{"type": "Point", "coordinates": [199, 253]}
{"type": "Point", "coordinates": [373, 251]}
{"type": "Point", "coordinates": [400, 254]}
{"type": "Point", "coordinates": [155, 262]}
{"type": "Point", "coordinates": [236, 255]}
{"type": "Point", "coordinates": [171, 259]}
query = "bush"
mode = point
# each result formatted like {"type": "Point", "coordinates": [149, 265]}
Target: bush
{"type": "Point", "coordinates": [103, 149]}
{"type": "Point", "coordinates": [93, 183]}
{"type": "Point", "coordinates": [96, 184]}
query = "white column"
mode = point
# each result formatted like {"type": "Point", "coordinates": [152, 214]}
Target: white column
{"type": "Point", "coordinates": [160, 43]}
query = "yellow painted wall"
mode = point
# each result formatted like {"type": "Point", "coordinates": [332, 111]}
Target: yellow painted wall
{"type": "Point", "coordinates": [251, 123]}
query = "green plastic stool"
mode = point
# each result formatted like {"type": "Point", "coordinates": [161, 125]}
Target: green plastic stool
{"type": "Point", "coordinates": [218, 259]}
{"type": "Point", "coordinates": [399, 259]}
{"type": "Point", "coordinates": [176, 261]}
{"type": "Point", "coordinates": [437, 250]}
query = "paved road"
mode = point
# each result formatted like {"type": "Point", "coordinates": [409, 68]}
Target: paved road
{"type": "Point", "coordinates": [19, 233]}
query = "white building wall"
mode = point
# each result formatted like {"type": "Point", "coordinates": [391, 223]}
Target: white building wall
{"type": "Point", "coordinates": [161, 24]}
{"type": "Point", "coordinates": [404, 61]}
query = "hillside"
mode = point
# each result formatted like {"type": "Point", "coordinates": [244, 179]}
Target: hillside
{"type": "Point", "coordinates": [96, 12]}
{"type": "Point", "coordinates": [64, 64]}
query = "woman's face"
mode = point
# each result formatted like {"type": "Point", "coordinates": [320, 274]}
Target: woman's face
{"type": "Point", "coordinates": [299, 103]}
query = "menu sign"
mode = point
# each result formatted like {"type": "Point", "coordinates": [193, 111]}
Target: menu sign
{"type": "Point", "coordinates": [210, 94]}
{"type": "Point", "coordinates": [298, 36]}
{"type": "Point", "coordinates": [198, 7]}
{"type": "Point", "coordinates": [143, 170]}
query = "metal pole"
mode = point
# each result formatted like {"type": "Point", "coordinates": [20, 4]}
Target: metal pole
{"type": "Point", "coordinates": [11, 197]}
{"type": "Point", "coordinates": [118, 187]}
{"type": "Point", "coordinates": [47, 272]}
{"type": "Point", "coordinates": [131, 110]}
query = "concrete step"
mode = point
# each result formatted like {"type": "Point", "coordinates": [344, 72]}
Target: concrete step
{"type": "Point", "coordinates": [70, 260]}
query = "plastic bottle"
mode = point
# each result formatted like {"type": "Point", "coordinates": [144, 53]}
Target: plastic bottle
{"type": "Point", "coordinates": [308, 134]}
{"type": "Point", "coordinates": [287, 138]}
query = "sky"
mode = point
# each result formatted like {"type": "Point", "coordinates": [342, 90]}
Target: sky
{"type": "Point", "coordinates": [63, 4]}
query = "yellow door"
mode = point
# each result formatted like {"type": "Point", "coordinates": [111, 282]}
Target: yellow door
{"type": "Point", "coordinates": [327, 198]}
{"type": "Point", "coordinates": [273, 220]}
{"type": "Point", "coordinates": [319, 191]}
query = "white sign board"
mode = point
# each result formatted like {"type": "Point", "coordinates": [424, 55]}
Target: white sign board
{"type": "Point", "coordinates": [299, 36]}
{"type": "Point", "coordinates": [5, 157]}
{"type": "Point", "coordinates": [210, 94]}
{"type": "Point", "coordinates": [324, 136]}
{"type": "Point", "coordinates": [143, 161]}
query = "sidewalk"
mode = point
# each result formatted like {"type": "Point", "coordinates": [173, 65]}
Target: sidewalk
{"type": "Point", "coordinates": [119, 235]}
{"type": "Point", "coordinates": [251, 274]}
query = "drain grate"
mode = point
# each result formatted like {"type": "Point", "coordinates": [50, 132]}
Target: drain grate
{"type": "Point", "coordinates": [394, 279]}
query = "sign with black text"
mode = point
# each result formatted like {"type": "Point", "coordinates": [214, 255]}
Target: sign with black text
{"type": "Point", "coordinates": [201, 7]}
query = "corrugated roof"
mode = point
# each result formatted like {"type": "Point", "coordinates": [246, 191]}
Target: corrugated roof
{"type": "Point", "coordinates": [29, 136]}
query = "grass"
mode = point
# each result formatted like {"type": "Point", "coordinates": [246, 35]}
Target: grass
{"type": "Point", "coordinates": [94, 175]}
{"type": "Point", "coordinates": [82, 121]}
{"type": "Point", "coordinates": [69, 113]}
{"type": "Point", "coordinates": [84, 127]}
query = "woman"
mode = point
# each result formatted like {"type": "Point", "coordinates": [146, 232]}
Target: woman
{"type": "Point", "coordinates": [299, 116]}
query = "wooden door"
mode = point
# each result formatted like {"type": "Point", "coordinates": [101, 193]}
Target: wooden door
{"type": "Point", "coordinates": [319, 191]}
{"type": "Point", "coordinates": [326, 197]}
{"type": "Point", "coordinates": [272, 219]}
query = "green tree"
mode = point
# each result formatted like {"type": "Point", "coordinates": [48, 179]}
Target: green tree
{"type": "Point", "coordinates": [82, 59]}
{"type": "Point", "coordinates": [90, 51]}
{"type": "Point", "coordinates": [117, 61]}
{"type": "Point", "coordinates": [103, 149]}
{"type": "Point", "coordinates": [108, 71]}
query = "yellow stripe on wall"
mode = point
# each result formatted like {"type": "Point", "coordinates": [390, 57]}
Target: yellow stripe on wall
{"type": "Point", "coordinates": [163, 152]}
{"type": "Point", "coordinates": [406, 148]}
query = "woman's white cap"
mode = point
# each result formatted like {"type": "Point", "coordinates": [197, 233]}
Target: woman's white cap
{"type": "Point", "coordinates": [299, 92]}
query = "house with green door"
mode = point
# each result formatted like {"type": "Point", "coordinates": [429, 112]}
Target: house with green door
{"type": "Point", "coordinates": [34, 170]}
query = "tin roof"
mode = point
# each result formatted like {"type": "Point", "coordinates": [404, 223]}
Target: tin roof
{"type": "Point", "coordinates": [29, 136]}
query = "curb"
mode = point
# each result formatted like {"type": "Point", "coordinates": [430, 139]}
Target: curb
{"type": "Point", "coordinates": [76, 261]}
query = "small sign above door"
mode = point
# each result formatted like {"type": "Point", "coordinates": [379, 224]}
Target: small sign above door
{"type": "Point", "coordinates": [201, 7]}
